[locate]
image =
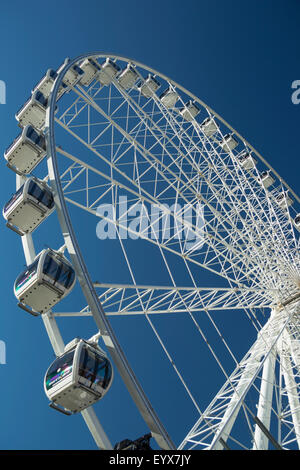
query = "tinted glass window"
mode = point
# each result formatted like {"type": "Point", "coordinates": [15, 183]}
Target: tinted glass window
{"type": "Point", "coordinates": [60, 369]}
{"type": "Point", "coordinates": [60, 272]}
{"type": "Point", "coordinates": [36, 138]}
{"type": "Point", "coordinates": [95, 368]}
{"type": "Point", "coordinates": [66, 276]}
{"type": "Point", "coordinates": [95, 64]}
{"type": "Point", "coordinates": [47, 199]}
{"type": "Point", "coordinates": [40, 98]}
{"type": "Point", "coordinates": [52, 73]}
{"type": "Point", "coordinates": [40, 194]}
{"type": "Point", "coordinates": [71, 277]}
{"type": "Point", "coordinates": [16, 196]}
{"type": "Point", "coordinates": [51, 268]}
{"type": "Point", "coordinates": [26, 275]}
{"type": "Point", "coordinates": [32, 134]}
{"type": "Point", "coordinates": [103, 373]}
{"type": "Point", "coordinates": [35, 191]}
{"type": "Point", "coordinates": [78, 69]}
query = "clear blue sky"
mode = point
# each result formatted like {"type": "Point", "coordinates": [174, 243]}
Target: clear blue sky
{"type": "Point", "coordinates": [238, 57]}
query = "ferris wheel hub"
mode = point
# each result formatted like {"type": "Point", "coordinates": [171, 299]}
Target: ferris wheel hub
{"type": "Point", "coordinates": [288, 302]}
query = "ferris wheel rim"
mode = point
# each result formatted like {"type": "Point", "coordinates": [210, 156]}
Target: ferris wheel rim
{"type": "Point", "coordinates": [50, 118]}
{"type": "Point", "coordinates": [98, 54]}
{"type": "Point", "coordinates": [105, 329]}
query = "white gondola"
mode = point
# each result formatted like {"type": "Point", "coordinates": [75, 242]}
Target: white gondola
{"type": "Point", "coordinates": [78, 378]}
{"type": "Point", "coordinates": [73, 75]}
{"type": "Point", "coordinates": [91, 69]}
{"type": "Point", "coordinates": [297, 222]}
{"type": "Point", "coordinates": [229, 143]}
{"type": "Point", "coordinates": [284, 200]}
{"type": "Point", "coordinates": [109, 70]}
{"type": "Point", "coordinates": [267, 179]}
{"type": "Point", "coordinates": [26, 151]}
{"type": "Point", "coordinates": [46, 83]}
{"type": "Point", "coordinates": [209, 127]}
{"type": "Point", "coordinates": [169, 98]}
{"type": "Point", "coordinates": [247, 161]}
{"type": "Point", "coordinates": [29, 206]}
{"type": "Point", "coordinates": [149, 86]}
{"type": "Point", "coordinates": [33, 112]}
{"type": "Point", "coordinates": [190, 111]}
{"type": "Point", "coordinates": [128, 77]}
{"type": "Point", "coordinates": [45, 282]}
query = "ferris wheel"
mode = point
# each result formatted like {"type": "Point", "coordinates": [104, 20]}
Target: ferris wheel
{"type": "Point", "coordinates": [208, 242]}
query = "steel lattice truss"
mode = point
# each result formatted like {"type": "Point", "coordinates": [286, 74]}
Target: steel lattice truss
{"type": "Point", "coordinates": [159, 158]}
{"type": "Point", "coordinates": [129, 299]}
{"type": "Point", "coordinates": [114, 143]}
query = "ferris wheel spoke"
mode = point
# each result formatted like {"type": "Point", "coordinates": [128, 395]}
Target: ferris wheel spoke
{"type": "Point", "coordinates": [207, 206]}
{"type": "Point", "coordinates": [223, 239]}
{"type": "Point", "coordinates": [174, 175]}
{"type": "Point", "coordinates": [187, 150]}
{"type": "Point", "coordinates": [260, 217]}
{"type": "Point", "coordinates": [150, 199]}
{"type": "Point", "coordinates": [128, 299]}
{"type": "Point", "coordinates": [223, 410]}
{"type": "Point", "coordinates": [107, 178]}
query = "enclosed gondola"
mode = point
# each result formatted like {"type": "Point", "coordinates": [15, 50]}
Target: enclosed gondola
{"type": "Point", "coordinates": [267, 179]}
{"type": "Point", "coordinates": [109, 70]}
{"type": "Point", "coordinates": [44, 282]}
{"type": "Point", "coordinates": [297, 222]}
{"type": "Point", "coordinates": [73, 75]}
{"type": "Point", "coordinates": [28, 206]}
{"type": "Point", "coordinates": [149, 86]}
{"type": "Point", "coordinates": [209, 127]}
{"type": "Point", "coordinates": [91, 69]}
{"type": "Point", "coordinates": [284, 200]}
{"type": "Point", "coordinates": [247, 161]}
{"type": "Point", "coordinates": [78, 378]}
{"type": "Point", "coordinates": [229, 143]}
{"type": "Point", "coordinates": [169, 98]}
{"type": "Point", "coordinates": [128, 77]}
{"type": "Point", "coordinates": [33, 112]}
{"type": "Point", "coordinates": [26, 151]}
{"type": "Point", "coordinates": [46, 83]}
{"type": "Point", "coordinates": [190, 111]}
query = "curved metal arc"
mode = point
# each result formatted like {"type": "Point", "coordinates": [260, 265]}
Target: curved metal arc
{"type": "Point", "coordinates": [110, 340]}
{"type": "Point", "coordinates": [194, 97]}
{"type": "Point", "coordinates": [97, 54]}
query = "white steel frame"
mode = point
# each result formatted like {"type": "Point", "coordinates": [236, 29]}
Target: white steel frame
{"type": "Point", "coordinates": [256, 253]}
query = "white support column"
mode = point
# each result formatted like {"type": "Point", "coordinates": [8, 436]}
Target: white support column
{"type": "Point", "coordinates": [96, 429]}
{"type": "Point", "coordinates": [120, 361]}
{"type": "Point", "coordinates": [261, 441]}
{"type": "Point", "coordinates": [57, 343]}
{"type": "Point", "coordinates": [290, 384]}
{"type": "Point", "coordinates": [261, 353]}
{"type": "Point", "coordinates": [247, 377]}
{"type": "Point", "coordinates": [292, 392]}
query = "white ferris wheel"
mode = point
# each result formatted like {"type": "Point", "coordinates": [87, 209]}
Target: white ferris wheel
{"type": "Point", "coordinates": [207, 232]}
